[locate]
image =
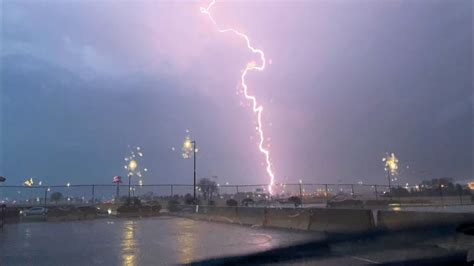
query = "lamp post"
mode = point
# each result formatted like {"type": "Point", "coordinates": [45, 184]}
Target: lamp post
{"type": "Point", "coordinates": [391, 167]}
{"type": "Point", "coordinates": [2, 179]}
{"type": "Point", "coordinates": [191, 144]}
{"type": "Point", "coordinates": [131, 166]}
{"type": "Point", "coordinates": [2, 206]}
{"type": "Point", "coordinates": [389, 182]}
{"type": "Point", "coordinates": [301, 192]}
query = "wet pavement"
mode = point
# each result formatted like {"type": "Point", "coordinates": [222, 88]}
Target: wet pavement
{"type": "Point", "coordinates": [165, 241]}
{"type": "Point", "coordinates": [148, 241]}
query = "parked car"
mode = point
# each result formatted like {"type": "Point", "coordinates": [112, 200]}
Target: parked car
{"type": "Point", "coordinates": [103, 213]}
{"type": "Point", "coordinates": [35, 211]}
{"type": "Point", "coordinates": [344, 201]}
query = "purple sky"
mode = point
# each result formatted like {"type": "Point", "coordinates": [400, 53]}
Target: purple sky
{"type": "Point", "coordinates": [349, 81]}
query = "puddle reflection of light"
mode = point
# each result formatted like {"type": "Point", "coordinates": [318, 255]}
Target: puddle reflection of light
{"type": "Point", "coordinates": [186, 241]}
{"type": "Point", "coordinates": [395, 207]}
{"type": "Point", "coordinates": [27, 237]}
{"type": "Point", "coordinates": [261, 240]}
{"type": "Point", "coordinates": [129, 249]}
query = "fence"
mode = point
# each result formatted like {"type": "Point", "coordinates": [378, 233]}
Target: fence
{"type": "Point", "coordinates": [311, 194]}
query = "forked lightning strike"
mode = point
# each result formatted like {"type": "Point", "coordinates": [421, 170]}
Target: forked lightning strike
{"type": "Point", "coordinates": [258, 109]}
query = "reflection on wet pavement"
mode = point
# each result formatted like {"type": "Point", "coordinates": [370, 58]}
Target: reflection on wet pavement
{"type": "Point", "coordinates": [186, 240]}
{"type": "Point", "coordinates": [130, 242]}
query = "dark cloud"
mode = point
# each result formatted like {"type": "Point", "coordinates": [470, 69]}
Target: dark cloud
{"type": "Point", "coordinates": [347, 83]}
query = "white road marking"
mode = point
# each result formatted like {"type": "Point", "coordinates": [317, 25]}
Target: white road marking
{"type": "Point", "coordinates": [294, 215]}
{"type": "Point", "coordinates": [365, 259]}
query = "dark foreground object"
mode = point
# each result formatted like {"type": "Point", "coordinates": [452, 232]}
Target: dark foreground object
{"type": "Point", "coordinates": [133, 207]}
{"type": "Point", "coordinates": [354, 244]}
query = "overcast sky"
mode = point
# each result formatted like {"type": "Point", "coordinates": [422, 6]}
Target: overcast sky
{"type": "Point", "coordinates": [348, 82]}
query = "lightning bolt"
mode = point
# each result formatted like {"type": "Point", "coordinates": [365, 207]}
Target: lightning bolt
{"type": "Point", "coordinates": [257, 109]}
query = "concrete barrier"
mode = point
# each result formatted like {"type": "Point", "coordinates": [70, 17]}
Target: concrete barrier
{"type": "Point", "coordinates": [323, 220]}
{"type": "Point", "coordinates": [341, 220]}
{"type": "Point", "coordinates": [405, 219]}
{"type": "Point", "coordinates": [251, 216]}
{"type": "Point", "coordinates": [219, 214]}
{"type": "Point", "coordinates": [288, 218]}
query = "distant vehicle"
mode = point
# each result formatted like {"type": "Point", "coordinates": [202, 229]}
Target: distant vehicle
{"type": "Point", "coordinates": [102, 213]}
{"type": "Point", "coordinates": [35, 211]}
{"type": "Point", "coordinates": [343, 200]}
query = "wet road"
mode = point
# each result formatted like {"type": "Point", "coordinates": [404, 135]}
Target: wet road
{"type": "Point", "coordinates": [158, 241]}
{"type": "Point", "coordinates": [149, 241]}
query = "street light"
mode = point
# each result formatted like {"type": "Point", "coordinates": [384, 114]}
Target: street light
{"type": "Point", "coordinates": [28, 182]}
{"type": "Point", "coordinates": [391, 167]}
{"type": "Point", "coordinates": [131, 166]}
{"type": "Point", "coordinates": [188, 145]}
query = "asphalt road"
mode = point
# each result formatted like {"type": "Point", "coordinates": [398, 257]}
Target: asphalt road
{"type": "Point", "coordinates": [162, 241]}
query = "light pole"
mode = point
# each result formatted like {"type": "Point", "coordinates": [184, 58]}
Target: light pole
{"type": "Point", "coordinates": [301, 192]}
{"type": "Point", "coordinates": [389, 182]}
{"type": "Point", "coordinates": [391, 167]}
{"type": "Point", "coordinates": [2, 179]}
{"type": "Point", "coordinates": [191, 144]}
{"type": "Point", "coordinates": [131, 167]}
{"type": "Point", "coordinates": [129, 185]}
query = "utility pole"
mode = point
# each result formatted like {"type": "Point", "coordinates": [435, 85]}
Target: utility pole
{"type": "Point", "coordinates": [129, 186]}
{"type": "Point", "coordinates": [389, 184]}
{"type": "Point", "coordinates": [194, 157]}
{"type": "Point", "coordinates": [301, 194]}
{"type": "Point", "coordinates": [45, 196]}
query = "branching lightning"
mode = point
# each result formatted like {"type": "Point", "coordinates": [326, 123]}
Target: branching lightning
{"type": "Point", "coordinates": [257, 109]}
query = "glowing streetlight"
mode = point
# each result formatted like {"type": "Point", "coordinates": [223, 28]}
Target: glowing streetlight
{"type": "Point", "coordinates": [132, 165]}
{"type": "Point", "coordinates": [188, 147]}
{"type": "Point", "coordinates": [391, 167]}
{"type": "Point", "coordinates": [187, 144]}
{"type": "Point", "coordinates": [471, 185]}
{"type": "Point", "coordinates": [28, 182]}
